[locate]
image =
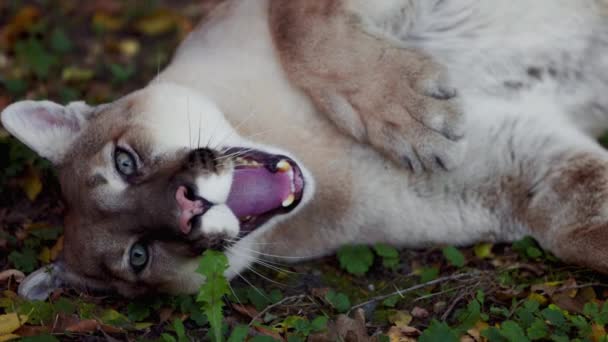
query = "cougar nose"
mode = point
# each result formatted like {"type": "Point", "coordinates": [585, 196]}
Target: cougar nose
{"type": "Point", "coordinates": [189, 207]}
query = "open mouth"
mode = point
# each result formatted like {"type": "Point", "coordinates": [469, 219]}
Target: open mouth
{"type": "Point", "coordinates": [263, 186]}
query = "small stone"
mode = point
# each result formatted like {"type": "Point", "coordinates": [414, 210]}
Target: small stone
{"type": "Point", "coordinates": [439, 307]}
{"type": "Point", "coordinates": [420, 313]}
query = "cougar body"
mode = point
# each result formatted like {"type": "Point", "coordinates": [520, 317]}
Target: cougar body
{"type": "Point", "coordinates": [520, 158]}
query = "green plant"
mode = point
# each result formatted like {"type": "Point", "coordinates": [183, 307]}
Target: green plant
{"type": "Point", "coordinates": [212, 266]}
{"type": "Point", "coordinates": [356, 259]}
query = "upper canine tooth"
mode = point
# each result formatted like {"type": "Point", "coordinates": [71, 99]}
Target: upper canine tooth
{"type": "Point", "coordinates": [283, 166]}
{"type": "Point", "coordinates": [289, 200]}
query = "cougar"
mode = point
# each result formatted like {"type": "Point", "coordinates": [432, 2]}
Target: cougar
{"type": "Point", "coordinates": [286, 129]}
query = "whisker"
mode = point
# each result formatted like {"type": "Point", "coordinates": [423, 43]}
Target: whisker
{"type": "Point", "coordinates": [287, 257]}
{"type": "Point", "coordinates": [266, 263]}
{"type": "Point", "coordinates": [275, 268]}
{"type": "Point", "coordinates": [253, 286]}
{"type": "Point", "coordinates": [234, 292]}
{"type": "Point", "coordinates": [266, 278]}
{"type": "Point", "coordinates": [200, 127]}
{"type": "Point", "coordinates": [189, 123]}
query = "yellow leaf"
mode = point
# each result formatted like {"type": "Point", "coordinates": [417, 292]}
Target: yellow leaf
{"type": "Point", "coordinates": [107, 22]}
{"type": "Point", "coordinates": [475, 331]}
{"type": "Point", "coordinates": [31, 184]}
{"type": "Point", "coordinates": [45, 255]}
{"type": "Point", "coordinates": [483, 250]}
{"type": "Point", "coordinates": [76, 74]}
{"type": "Point", "coordinates": [597, 332]}
{"type": "Point", "coordinates": [157, 23]}
{"type": "Point", "coordinates": [57, 248]}
{"type": "Point", "coordinates": [537, 297]}
{"type": "Point", "coordinates": [128, 47]}
{"type": "Point", "coordinates": [143, 325]}
{"type": "Point", "coordinates": [11, 322]}
{"type": "Point", "coordinates": [397, 335]}
{"type": "Point", "coordinates": [8, 337]}
{"type": "Point", "coordinates": [401, 319]}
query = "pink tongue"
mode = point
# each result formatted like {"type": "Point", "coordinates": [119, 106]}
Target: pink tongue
{"type": "Point", "coordinates": [256, 191]}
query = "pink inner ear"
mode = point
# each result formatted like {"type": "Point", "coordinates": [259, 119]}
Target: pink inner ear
{"type": "Point", "coordinates": [46, 118]}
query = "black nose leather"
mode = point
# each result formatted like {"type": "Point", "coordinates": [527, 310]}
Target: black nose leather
{"type": "Point", "coordinates": [203, 158]}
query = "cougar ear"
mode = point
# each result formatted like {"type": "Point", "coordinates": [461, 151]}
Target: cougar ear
{"type": "Point", "coordinates": [41, 283]}
{"type": "Point", "coordinates": [46, 127]}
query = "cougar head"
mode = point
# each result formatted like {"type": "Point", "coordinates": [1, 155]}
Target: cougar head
{"type": "Point", "coordinates": [150, 182]}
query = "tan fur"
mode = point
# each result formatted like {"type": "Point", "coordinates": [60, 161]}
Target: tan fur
{"type": "Point", "coordinates": [316, 41]}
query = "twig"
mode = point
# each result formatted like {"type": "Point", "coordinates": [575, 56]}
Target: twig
{"type": "Point", "coordinates": [416, 287]}
{"type": "Point", "coordinates": [431, 295]}
{"type": "Point", "coordinates": [272, 306]}
{"type": "Point", "coordinates": [447, 312]}
{"type": "Point", "coordinates": [581, 286]}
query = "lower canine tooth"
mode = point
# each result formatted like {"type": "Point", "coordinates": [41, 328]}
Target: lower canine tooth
{"type": "Point", "coordinates": [289, 200]}
{"type": "Point", "coordinates": [283, 166]}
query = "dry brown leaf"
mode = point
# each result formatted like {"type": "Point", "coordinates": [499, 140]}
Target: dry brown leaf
{"type": "Point", "coordinates": [475, 332]}
{"type": "Point", "coordinates": [396, 334]}
{"type": "Point", "coordinates": [84, 326]}
{"type": "Point", "coordinates": [165, 314]}
{"type": "Point", "coordinates": [7, 274]}
{"type": "Point", "coordinates": [246, 310]}
{"type": "Point", "coordinates": [268, 332]}
{"type": "Point", "coordinates": [32, 330]}
{"type": "Point", "coordinates": [597, 332]}
{"type": "Point", "coordinates": [25, 18]}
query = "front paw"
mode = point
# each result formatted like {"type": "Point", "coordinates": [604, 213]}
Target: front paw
{"type": "Point", "coordinates": [422, 130]}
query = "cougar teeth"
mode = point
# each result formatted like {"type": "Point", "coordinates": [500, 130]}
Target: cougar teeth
{"type": "Point", "coordinates": [283, 166]}
{"type": "Point", "coordinates": [289, 200]}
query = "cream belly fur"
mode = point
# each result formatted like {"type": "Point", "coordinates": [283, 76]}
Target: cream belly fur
{"type": "Point", "coordinates": [518, 124]}
{"type": "Point", "coordinates": [531, 79]}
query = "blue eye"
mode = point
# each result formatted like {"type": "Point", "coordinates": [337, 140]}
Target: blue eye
{"type": "Point", "coordinates": [138, 257]}
{"type": "Point", "coordinates": [125, 162]}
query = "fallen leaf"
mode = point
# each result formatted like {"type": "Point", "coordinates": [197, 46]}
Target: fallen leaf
{"type": "Point", "coordinates": [400, 319]}
{"type": "Point", "coordinates": [597, 332]}
{"type": "Point", "coordinates": [25, 18]}
{"type": "Point", "coordinates": [537, 297]}
{"type": "Point", "coordinates": [159, 22]}
{"type": "Point", "coordinates": [31, 184]}
{"type": "Point", "coordinates": [4, 102]}
{"type": "Point", "coordinates": [128, 47]}
{"type": "Point", "coordinates": [76, 74]}
{"type": "Point", "coordinates": [107, 22]}
{"type": "Point", "coordinates": [246, 310]}
{"type": "Point", "coordinates": [475, 331]}
{"type": "Point", "coordinates": [57, 248]}
{"type": "Point", "coordinates": [7, 274]}
{"type": "Point", "coordinates": [11, 322]}
{"type": "Point", "coordinates": [8, 337]}
{"type": "Point", "coordinates": [396, 334]}
{"type": "Point", "coordinates": [483, 250]}
{"type": "Point", "coordinates": [84, 326]}
{"type": "Point", "coordinates": [165, 314]}
{"type": "Point", "coordinates": [32, 330]}
{"type": "Point", "coordinates": [268, 332]}
{"type": "Point", "coordinates": [45, 255]}
{"type": "Point", "coordinates": [143, 325]}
